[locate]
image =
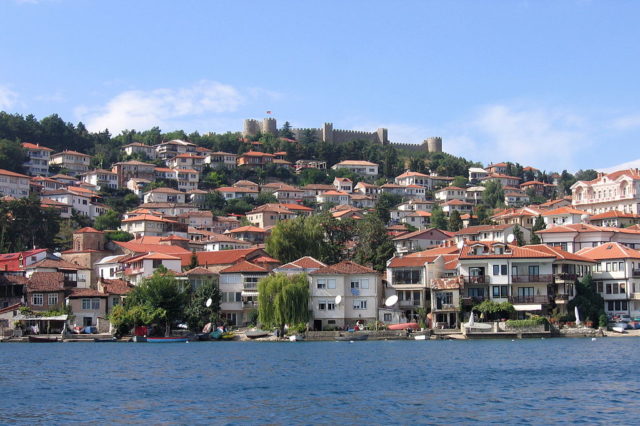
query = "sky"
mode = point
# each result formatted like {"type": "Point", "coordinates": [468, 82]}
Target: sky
{"type": "Point", "coordinates": [551, 84]}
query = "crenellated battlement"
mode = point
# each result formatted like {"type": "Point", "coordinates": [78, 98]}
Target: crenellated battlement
{"type": "Point", "coordinates": [330, 135]}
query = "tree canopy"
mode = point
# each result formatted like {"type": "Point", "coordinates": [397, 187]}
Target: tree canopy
{"type": "Point", "coordinates": [283, 299]}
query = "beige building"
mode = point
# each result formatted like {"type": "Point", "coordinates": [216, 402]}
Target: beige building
{"type": "Point", "coordinates": [76, 162]}
{"type": "Point", "coordinates": [38, 163]}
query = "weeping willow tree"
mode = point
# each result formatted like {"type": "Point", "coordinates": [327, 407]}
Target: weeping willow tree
{"type": "Point", "coordinates": [283, 299]}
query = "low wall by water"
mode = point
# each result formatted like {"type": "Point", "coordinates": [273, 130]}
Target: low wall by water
{"type": "Point", "coordinates": [373, 335]}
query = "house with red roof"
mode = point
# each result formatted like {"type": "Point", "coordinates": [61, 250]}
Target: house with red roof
{"type": "Point", "coordinates": [255, 159]}
{"type": "Point", "coordinates": [239, 291]}
{"type": "Point", "coordinates": [412, 278]}
{"type": "Point", "coordinates": [145, 151]}
{"type": "Point", "coordinates": [187, 160]}
{"type": "Point", "coordinates": [419, 219]}
{"type": "Point", "coordinates": [489, 233]}
{"type": "Point", "coordinates": [617, 277]}
{"type": "Point", "coordinates": [13, 184]}
{"type": "Point", "coordinates": [364, 168]}
{"type": "Point", "coordinates": [164, 195]}
{"type": "Point", "coordinates": [334, 197]}
{"type": "Point", "coordinates": [38, 159]}
{"type": "Point", "coordinates": [573, 238]}
{"type": "Point", "coordinates": [359, 288]}
{"type": "Point", "coordinates": [304, 265]}
{"type": "Point", "coordinates": [220, 159]}
{"type": "Point", "coordinates": [186, 179]}
{"type": "Point", "coordinates": [151, 225]}
{"type": "Point", "coordinates": [614, 219]}
{"type": "Point", "coordinates": [449, 193]}
{"type": "Point", "coordinates": [419, 240]}
{"type": "Point", "coordinates": [564, 216]}
{"type": "Point", "coordinates": [133, 169]}
{"type": "Point", "coordinates": [73, 161]}
{"type": "Point", "coordinates": [252, 234]}
{"type": "Point", "coordinates": [144, 265]}
{"type": "Point", "coordinates": [343, 184]}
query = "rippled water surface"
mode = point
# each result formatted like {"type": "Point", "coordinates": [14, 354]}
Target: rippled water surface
{"type": "Point", "coordinates": [500, 381]}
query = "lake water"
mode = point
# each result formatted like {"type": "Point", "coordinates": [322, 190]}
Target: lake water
{"type": "Point", "coordinates": [499, 381]}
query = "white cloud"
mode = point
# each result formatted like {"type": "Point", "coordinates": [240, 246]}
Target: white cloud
{"type": "Point", "coordinates": [626, 122]}
{"type": "Point", "coordinates": [141, 110]}
{"type": "Point", "coordinates": [627, 165]}
{"type": "Point", "coordinates": [8, 98]}
{"type": "Point", "coordinates": [540, 137]}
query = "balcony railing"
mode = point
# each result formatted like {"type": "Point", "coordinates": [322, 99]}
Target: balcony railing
{"type": "Point", "coordinates": [250, 286]}
{"type": "Point", "coordinates": [538, 278]}
{"type": "Point", "coordinates": [529, 299]}
{"type": "Point", "coordinates": [249, 305]}
{"type": "Point", "coordinates": [478, 279]}
{"type": "Point", "coordinates": [472, 301]}
{"type": "Point", "coordinates": [409, 303]}
{"type": "Point", "coordinates": [564, 276]}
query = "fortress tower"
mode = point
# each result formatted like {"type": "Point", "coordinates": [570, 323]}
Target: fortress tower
{"type": "Point", "coordinates": [327, 132]}
{"type": "Point", "coordinates": [269, 125]}
{"type": "Point", "coordinates": [434, 144]}
{"type": "Point", "coordinates": [251, 127]}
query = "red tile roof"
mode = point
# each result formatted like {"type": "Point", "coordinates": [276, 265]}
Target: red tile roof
{"type": "Point", "coordinates": [345, 267]}
{"type": "Point", "coordinates": [46, 282]}
{"type": "Point", "coordinates": [29, 145]}
{"type": "Point", "coordinates": [120, 287]}
{"type": "Point", "coordinates": [199, 271]}
{"type": "Point", "coordinates": [88, 230]}
{"type": "Point", "coordinates": [223, 257]}
{"type": "Point", "coordinates": [410, 262]}
{"type": "Point", "coordinates": [244, 266]}
{"type": "Point", "coordinates": [564, 210]}
{"type": "Point", "coordinates": [510, 251]}
{"type": "Point", "coordinates": [609, 251]}
{"type": "Point", "coordinates": [56, 264]}
{"type": "Point", "coordinates": [613, 214]}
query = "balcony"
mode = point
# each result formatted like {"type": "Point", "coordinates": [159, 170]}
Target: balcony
{"type": "Point", "coordinates": [564, 276]}
{"type": "Point", "coordinates": [472, 301]}
{"type": "Point", "coordinates": [478, 279]}
{"type": "Point", "coordinates": [635, 273]}
{"type": "Point", "coordinates": [250, 305]}
{"type": "Point", "coordinates": [409, 303]}
{"type": "Point", "coordinates": [529, 299]}
{"type": "Point", "coordinates": [250, 286]}
{"type": "Point", "coordinates": [538, 278]}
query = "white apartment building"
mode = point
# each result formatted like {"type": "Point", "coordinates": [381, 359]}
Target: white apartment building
{"type": "Point", "coordinates": [38, 163]}
{"type": "Point", "coordinates": [614, 191]}
{"type": "Point", "coordinates": [221, 159]}
{"type": "Point", "coordinates": [358, 287]}
{"type": "Point", "coordinates": [14, 184]}
{"type": "Point", "coordinates": [239, 291]}
{"type": "Point", "coordinates": [364, 168]}
{"type": "Point", "coordinates": [101, 178]}
{"type": "Point", "coordinates": [617, 277]}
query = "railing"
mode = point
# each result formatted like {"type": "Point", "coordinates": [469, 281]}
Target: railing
{"type": "Point", "coordinates": [445, 306]}
{"type": "Point", "coordinates": [250, 286]}
{"type": "Point", "coordinates": [561, 297]}
{"type": "Point", "coordinates": [249, 304]}
{"type": "Point", "coordinates": [529, 299]}
{"type": "Point", "coordinates": [564, 276]}
{"type": "Point", "coordinates": [409, 303]}
{"type": "Point", "coordinates": [479, 279]}
{"type": "Point", "coordinates": [471, 301]}
{"type": "Point", "coordinates": [635, 273]}
{"type": "Point", "coordinates": [538, 278]}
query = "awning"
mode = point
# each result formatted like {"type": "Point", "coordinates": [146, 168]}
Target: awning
{"type": "Point", "coordinates": [527, 307]}
{"type": "Point", "coordinates": [56, 318]}
{"type": "Point", "coordinates": [249, 293]}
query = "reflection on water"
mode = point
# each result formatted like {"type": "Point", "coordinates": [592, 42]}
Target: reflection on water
{"type": "Point", "coordinates": [537, 381]}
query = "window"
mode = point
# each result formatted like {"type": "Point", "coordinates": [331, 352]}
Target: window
{"type": "Point", "coordinates": [387, 318]}
{"type": "Point", "coordinates": [406, 276]}
{"type": "Point", "coordinates": [322, 305]}
{"type": "Point", "coordinates": [37, 299]}
{"type": "Point", "coordinates": [622, 288]}
{"type": "Point", "coordinates": [500, 291]}
{"type": "Point", "coordinates": [53, 298]}
{"type": "Point", "coordinates": [476, 292]}
{"type": "Point", "coordinates": [86, 303]}
{"type": "Point", "coordinates": [331, 283]}
{"type": "Point", "coordinates": [359, 304]}
{"type": "Point", "coordinates": [95, 304]}
{"type": "Point", "coordinates": [496, 269]}
{"type": "Point", "coordinates": [599, 286]}
{"type": "Point", "coordinates": [322, 283]}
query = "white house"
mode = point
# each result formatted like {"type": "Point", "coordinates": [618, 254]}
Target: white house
{"type": "Point", "coordinates": [38, 162]}
{"type": "Point", "coordinates": [14, 184]}
{"type": "Point", "coordinates": [358, 288]}
{"type": "Point", "coordinates": [365, 168]}
{"type": "Point", "coordinates": [619, 190]}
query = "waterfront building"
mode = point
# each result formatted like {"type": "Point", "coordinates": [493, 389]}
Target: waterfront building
{"type": "Point", "coordinates": [617, 277]}
{"type": "Point", "coordinates": [239, 291]}
{"type": "Point", "coordinates": [358, 287]}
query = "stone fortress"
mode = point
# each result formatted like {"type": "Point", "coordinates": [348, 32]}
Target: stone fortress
{"type": "Point", "coordinates": [330, 135]}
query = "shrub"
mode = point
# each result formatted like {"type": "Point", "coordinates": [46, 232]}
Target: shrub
{"type": "Point", "coordinates": [531, 322]}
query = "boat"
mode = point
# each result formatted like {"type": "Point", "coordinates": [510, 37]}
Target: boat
{"type": "Point", "coordinates": [36, 339]}
{"type": "Point", "coordinates": [420, 337]}
{"type": "Point", "coordinates": [228, 335]}
{"type": "Point", "coordinates": [296, 338]}
{"type": "Point", "coordinates": [254, 334]}
{"type": "Point", "coordinates": [139, 339]}
{"type": "Point", "coordinates": [174, 339]}
{"type": "Point", "coordinates": [620, 327]}
{"type": "Point", "coordinates": [216, 334]}
{"type": "Point", "coordinates": [404, 326]}
{"type": "Point", "coordinates": [354, 337]}
{"type": "Point", "coordinates": [104, 339]}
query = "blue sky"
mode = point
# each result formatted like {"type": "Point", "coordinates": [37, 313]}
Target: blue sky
{"type": "Point", "coordinates": [552, 84]}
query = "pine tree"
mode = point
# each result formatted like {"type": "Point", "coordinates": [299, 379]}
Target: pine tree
{"type": "Point", "coordinates": [455, 222]}
{"type": "Point", "coordinates": [537, 226]}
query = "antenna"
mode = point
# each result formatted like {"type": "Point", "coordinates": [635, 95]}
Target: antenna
{"type": "Point", "coordinates": [510, 238]}
{"type": "Point", "coordinates": [391, 300]}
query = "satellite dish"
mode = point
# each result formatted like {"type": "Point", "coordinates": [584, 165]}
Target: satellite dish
{"type": "Point", "coordinates": [510, 238]}
{"type": "Point", "coordinates": [584, 217]}
{"type": "Point", "coordinates": [391, 300]}
{"type": "Point", "coordinates": [209, 302]}
{"type": "Point", "coordinates": [338, 299]}
{"type": "Point", "coordinates": [460, 244]}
